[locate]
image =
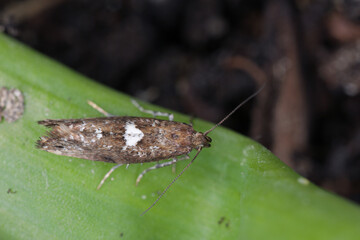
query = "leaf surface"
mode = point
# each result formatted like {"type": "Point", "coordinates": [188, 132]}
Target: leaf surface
{"type": "Point", "coordinates": [236, 189]}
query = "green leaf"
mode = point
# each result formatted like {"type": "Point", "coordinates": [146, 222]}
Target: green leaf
{"type": "Point", "coordinates": [234, 190]}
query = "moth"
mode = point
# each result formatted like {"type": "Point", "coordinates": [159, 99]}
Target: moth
{"type": "Point", "coordinates": [127, 140]}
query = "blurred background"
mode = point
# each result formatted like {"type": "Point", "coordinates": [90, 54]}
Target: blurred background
{"type": "Point", "coordinates": [203, 57]}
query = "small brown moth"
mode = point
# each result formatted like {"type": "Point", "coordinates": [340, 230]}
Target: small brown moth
{"type": "Point", "coordinates": [127, 140]}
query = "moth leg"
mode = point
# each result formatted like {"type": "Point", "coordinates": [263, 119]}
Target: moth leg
{"type": "Point", "coordinates": [154, 113]}
{"type": "Point", "coordinates": [99, 109]}
{"type": "Point", "coordinates": [107, 175]}
{"type": "Point", "coordinates": [160, 165]}
{"type": "Point", "coordinates": [173, 168]}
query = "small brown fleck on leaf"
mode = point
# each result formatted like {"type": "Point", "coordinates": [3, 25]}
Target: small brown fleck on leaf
{"type": "Point", "coordinates": [11, 104]}
{"type": "Point", "coordinates": [221, 220]}
{"type": "Point", "coordinates": [11, 191]}
{"type": "Point", "coordinates": [227, 225]}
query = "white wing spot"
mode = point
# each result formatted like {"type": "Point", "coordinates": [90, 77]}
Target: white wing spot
{"type": "Point", "coordinates": [132, 135]}
{"type": "Point", "coordinates": [98, 133]}
{"type": "Point", "coordinates": [82, 138]}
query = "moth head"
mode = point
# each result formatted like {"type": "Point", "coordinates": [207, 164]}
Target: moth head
{"type": "Point", "coordinates": [200, 140]}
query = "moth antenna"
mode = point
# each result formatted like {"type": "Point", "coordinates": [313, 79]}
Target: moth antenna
{"type": "Point", "coordinates": [172, 182]}
{"type": "Point", "coordinates": [235, 109]}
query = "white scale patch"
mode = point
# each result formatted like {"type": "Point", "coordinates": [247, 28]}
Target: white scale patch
{"type": "Point", "coordinates": [132, 135]}
{"type": "Point", "coordinates": [82, 138]}
{"type": "Point", "coordinates": [98, 133]}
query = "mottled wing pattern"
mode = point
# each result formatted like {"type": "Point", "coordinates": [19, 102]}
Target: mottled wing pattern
{"type": "Point", "coordinates": [117, 139]}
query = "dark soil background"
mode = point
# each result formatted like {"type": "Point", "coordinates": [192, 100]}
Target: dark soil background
{"type": "Point", "coordinates": [204, 57]}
